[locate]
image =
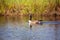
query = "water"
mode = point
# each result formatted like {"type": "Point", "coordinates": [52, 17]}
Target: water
{"type": "Point", "coordinates": [18, 29]}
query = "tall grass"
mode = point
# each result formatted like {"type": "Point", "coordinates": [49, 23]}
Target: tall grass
{"type": "Point", "coordinates": [26, 6]}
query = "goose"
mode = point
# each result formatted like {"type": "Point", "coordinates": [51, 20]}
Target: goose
{"type": "Point", "coordinates": [34, 21]}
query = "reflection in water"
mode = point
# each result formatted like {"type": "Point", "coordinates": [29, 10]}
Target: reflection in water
{"type": "Point", "coordinates": [18, 29]}
{"type": "Point", "coordinates": [30, 26]}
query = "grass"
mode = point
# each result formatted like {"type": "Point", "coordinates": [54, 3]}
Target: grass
{"type": "Point", "coordinates": [26, 6]}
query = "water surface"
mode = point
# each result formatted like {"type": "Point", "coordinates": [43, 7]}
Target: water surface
{"type": "Point", "coordinates": [17, 28]}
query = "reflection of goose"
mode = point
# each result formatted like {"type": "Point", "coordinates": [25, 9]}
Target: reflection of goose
{"type": "Point", "coordinates": [34, 21]}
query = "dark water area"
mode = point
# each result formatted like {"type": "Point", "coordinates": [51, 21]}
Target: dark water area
{"type": "Point", "coordinates": [17, 28]}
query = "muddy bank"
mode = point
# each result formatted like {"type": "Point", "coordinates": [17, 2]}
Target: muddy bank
{"type": "Point", "coordinates": [48, 17]}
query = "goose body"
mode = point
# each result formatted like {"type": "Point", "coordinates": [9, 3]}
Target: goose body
{"type": "Point", "coordinates": [34, 21]}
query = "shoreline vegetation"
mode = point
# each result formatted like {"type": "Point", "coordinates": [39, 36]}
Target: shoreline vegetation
{"type": "Point", "coordinates": [40, 8]}
{"type": "Point", "coordinates": [22, 7]}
